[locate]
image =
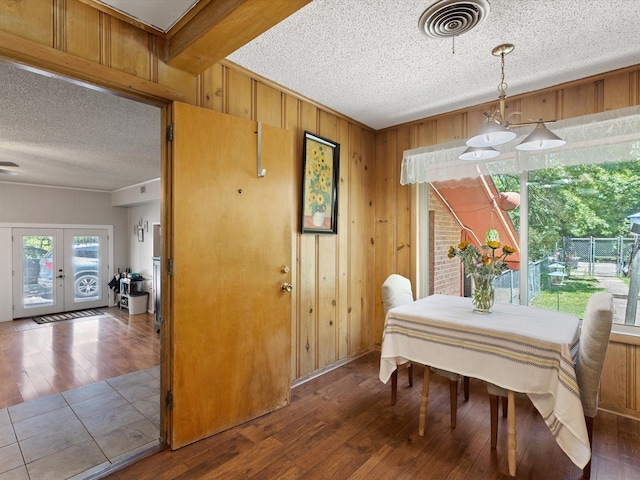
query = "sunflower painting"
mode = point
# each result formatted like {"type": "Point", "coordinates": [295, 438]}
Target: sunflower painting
{"type": "Point", "coordinates": [320, 189]}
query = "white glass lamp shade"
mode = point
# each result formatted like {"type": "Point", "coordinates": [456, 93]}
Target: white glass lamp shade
{"type": "Point", "coordinates": [479, 153]}
{"type": "Point", "coordinates": [540, 139]}
{"type": "Point", "coordinates": [490, 134]}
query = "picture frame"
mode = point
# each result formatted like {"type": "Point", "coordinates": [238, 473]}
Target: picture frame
{"type": "Point", "coordinates": [320, 175]}
{"type": "Point", "coordinates": [140, 234]}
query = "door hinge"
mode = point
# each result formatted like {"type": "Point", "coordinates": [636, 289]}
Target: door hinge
{"type": "Point", "coordinates": [169, 400]}
{"type": "Point", "coordinates": [170, 266]}
{"type": "Point", "coordinates": [170, 132]}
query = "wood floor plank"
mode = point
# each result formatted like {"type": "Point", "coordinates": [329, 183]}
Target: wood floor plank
{"type": "Point", "coordinates": [342, 426]}
{"type": "Point", "coordinates": [39, 360]}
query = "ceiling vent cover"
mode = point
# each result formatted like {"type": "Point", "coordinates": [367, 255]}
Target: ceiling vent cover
{"type": "Point", "coordinates": [449, 18]}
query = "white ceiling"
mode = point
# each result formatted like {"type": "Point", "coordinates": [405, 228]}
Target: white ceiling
{"type": "Point", "coordinates": [366, 59]}
{"type": "Point", "coordinates": [66, 135]}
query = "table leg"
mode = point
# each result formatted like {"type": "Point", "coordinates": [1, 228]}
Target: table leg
{"type": "Point", "coordinates": [423, 401]}
{"type": "Point", "coordinates": [511, 427]}
{"type": "Point", "coordinates": [394, 386]}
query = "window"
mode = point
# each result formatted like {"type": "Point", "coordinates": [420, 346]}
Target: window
{"type": "Point", "coordinates": [579, 233]}
{"type": "Point", "coordinates": [576, 200]}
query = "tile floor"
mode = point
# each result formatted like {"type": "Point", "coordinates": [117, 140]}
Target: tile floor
{"type": "Point", "coordinates": [79, 433]}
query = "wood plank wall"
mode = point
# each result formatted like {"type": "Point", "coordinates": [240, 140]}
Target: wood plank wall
{"type": "Point", "coordinates": [337, 305]}
{"type": "Point", "coordinates": [621, 378]}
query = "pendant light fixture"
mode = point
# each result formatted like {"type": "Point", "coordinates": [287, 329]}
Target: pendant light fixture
{"type": "Point", "coordinates": [8, 172]}
{"type": "Point", "coordinates": [479, 153]}
{"type": "Point", "coordinates": [496, 130]}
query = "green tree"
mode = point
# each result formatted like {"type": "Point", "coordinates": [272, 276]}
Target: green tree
{"type": "Point", "coordinates": [579, 201]}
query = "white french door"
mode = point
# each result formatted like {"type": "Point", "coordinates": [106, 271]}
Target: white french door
{"type": "Point", "coordinates": [59, 270]}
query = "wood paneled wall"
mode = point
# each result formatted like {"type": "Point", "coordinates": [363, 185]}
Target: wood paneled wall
{"type": "Point", "coordinates": [333, 275]}
{"type": "Point", "coordinates": [337, 305]}
{"type": "Point", "coordinates": [620, 383]}
{"type": "Point", "coordinates": [619, 89]}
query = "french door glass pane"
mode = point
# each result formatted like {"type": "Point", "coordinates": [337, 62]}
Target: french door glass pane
{"type": "Point", "coordinates": [86, 268]}
{"type": "Point", "coordinates": [37, 270]}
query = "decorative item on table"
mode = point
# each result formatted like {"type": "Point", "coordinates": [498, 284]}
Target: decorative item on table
{"type": "Point", "coordinates": [483, 264]}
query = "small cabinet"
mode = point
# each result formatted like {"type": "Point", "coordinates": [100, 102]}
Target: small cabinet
{"type": "Point", "coordinates": [130, 288]}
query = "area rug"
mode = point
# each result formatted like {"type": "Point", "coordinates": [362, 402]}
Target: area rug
{"type": "Point", "coordinates": [57, 317]}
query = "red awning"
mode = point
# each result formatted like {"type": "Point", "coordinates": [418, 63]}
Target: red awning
{"type": "Point", "coordinates": [472, 203]}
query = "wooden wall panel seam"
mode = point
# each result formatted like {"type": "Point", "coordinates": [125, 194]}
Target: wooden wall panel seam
{"type": "Point", "coordinates": [105, 39]}
{"type": "Point", "coordinates": [59, 37]}
{"type": "Point", "coordinates": [599, 95]}
{"type": "Point", "coordinates": [153, 58]}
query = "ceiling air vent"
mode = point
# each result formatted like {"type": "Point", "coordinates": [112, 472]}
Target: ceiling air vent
{"type": "Point", "coordinates": [449, 18]}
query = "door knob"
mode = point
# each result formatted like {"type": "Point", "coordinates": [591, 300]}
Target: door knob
{"type": "Point", "coordinates": [286, 287]}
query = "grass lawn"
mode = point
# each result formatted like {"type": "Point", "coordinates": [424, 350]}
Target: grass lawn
{"type": "Point", "coordinates": [571, 297]}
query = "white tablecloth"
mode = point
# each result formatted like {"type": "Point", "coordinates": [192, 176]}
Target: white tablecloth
{"type": "Point", "coordinates": [524, 349]}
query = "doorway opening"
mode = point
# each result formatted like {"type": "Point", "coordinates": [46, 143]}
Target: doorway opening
{"type": "Point", "coordinates": [58, 360]}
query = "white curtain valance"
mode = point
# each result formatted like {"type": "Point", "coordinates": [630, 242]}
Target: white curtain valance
{"type": "Point", "coordinates": [610, 136]}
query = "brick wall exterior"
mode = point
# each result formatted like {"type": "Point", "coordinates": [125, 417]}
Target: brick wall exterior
{"type": "Point", "coordinates": [445, 273]}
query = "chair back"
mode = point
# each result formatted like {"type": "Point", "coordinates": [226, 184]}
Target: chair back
{"type": "Point", "coordinates": [396, 291]}
{"type": "Point", "coordinates": [594, 340]}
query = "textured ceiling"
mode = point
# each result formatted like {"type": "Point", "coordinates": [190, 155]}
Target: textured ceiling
{"type": "Point", "coordinates": [62, 134]}
{"type": "Point", "coordinates": [366, 59]}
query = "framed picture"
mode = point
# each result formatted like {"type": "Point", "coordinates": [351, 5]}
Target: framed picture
{"type": "Point", "coordinates": [140, 234]}
{"type": "Point", "coordinates": [320, 184]}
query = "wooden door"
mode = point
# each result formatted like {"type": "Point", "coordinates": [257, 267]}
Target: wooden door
{"type": "Point", "coordinates": [230, 320]}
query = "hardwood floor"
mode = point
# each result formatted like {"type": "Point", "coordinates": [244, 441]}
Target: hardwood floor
{"type": "Point", "coordinates": [341, 426]}
{"type": "Point", "coordinates": [40, 360]}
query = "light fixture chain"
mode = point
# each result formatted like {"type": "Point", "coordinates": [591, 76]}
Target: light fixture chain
{"type": "Point", "coordinates": [503, 86]}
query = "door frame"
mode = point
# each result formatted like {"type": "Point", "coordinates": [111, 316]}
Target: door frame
{"type": "Point", "coordinates": [71, 68]}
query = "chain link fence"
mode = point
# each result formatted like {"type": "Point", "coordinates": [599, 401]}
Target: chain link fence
{"type": "Point", "coordinates": [588, 254]}
{"type": "Point", "coordinates": [507, 285]}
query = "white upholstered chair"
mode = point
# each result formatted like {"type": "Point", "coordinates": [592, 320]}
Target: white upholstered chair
{"type": "Point", "coordinates": [594, 340]}
{"type": "Point", "coordinates": [396, 291]}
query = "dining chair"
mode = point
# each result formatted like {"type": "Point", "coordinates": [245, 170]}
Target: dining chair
{"type": "Point", "coordinates": [396, 291]}
{"type": "Point", "coordinates": [594, 340]}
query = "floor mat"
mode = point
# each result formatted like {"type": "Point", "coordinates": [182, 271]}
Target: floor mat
{"type": "Point", "coordinates": [57, 317]}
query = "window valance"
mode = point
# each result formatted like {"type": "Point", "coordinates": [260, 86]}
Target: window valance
{"type": "Point", "coordinates": [602, 137]}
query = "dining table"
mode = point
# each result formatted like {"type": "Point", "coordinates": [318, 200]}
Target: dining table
{"type": "Point", "coordinates": [519, 348]}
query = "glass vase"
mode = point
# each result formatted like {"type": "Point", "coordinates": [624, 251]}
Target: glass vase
{"type": "Point", "coordinates": [482, 295]}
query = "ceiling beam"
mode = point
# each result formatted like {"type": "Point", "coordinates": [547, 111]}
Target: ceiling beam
{"type": "Point", "coordinates": [222, 27]}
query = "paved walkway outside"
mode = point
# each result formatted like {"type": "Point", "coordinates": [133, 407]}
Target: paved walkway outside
{"type": "Point", "coordinates": [605, 274]}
